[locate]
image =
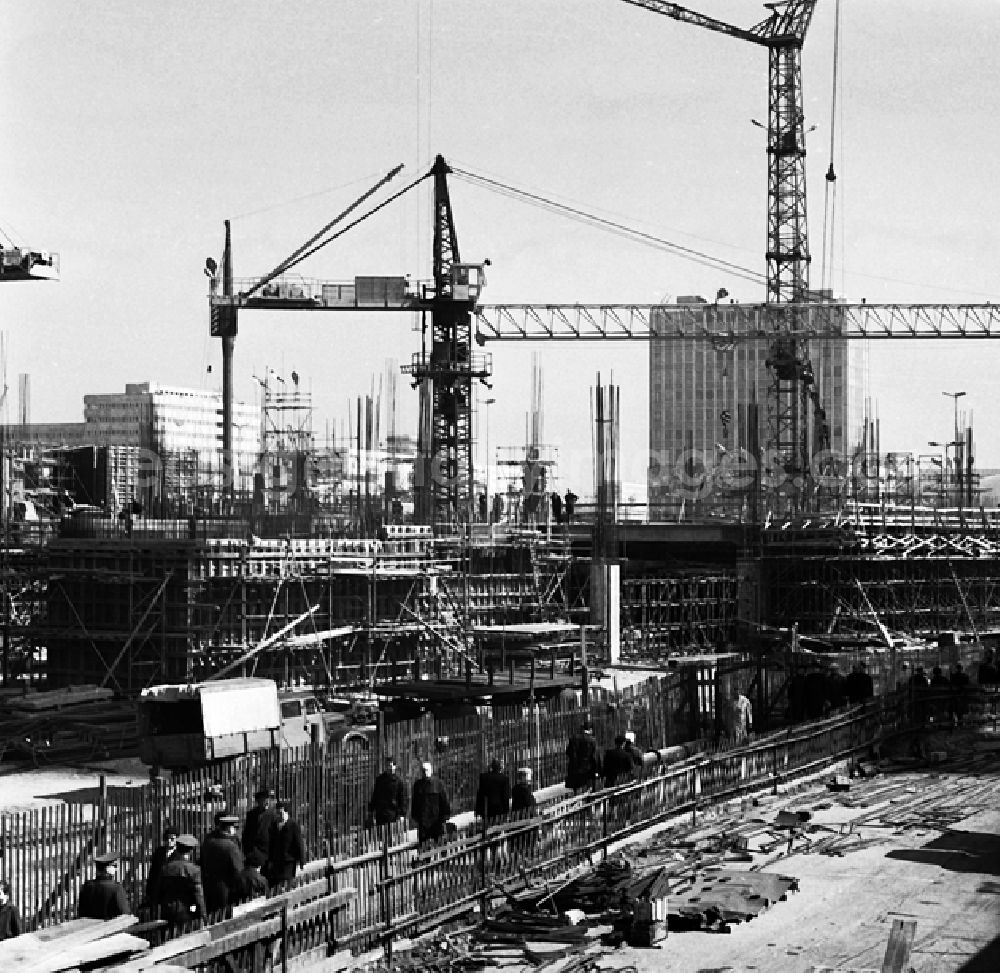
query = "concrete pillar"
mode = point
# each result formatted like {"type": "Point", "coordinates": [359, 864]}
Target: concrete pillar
{"type": "Point", "coordinates": [605, 604]}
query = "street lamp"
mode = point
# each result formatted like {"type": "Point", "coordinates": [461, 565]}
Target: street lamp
{"type": "Point", "coordinates": [488, 403]}
{"type": "Point", "coordinates": [945, 446]}
{"type": "Point", "coordinates": [955, 396]}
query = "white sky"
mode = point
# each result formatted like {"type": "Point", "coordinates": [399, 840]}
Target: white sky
{"type": "Point", "coordinates": [132, 130]}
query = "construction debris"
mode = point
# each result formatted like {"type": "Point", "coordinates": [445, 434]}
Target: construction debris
{"type": "Point", "coordinates": [75, 724]}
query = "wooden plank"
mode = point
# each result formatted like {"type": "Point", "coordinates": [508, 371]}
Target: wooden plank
{"type": "Point", "coordinates": [29, 946]}
{"type": "Point", "coordinates": [84, 953]}
{"type": "Point", "coordinates": [168, 950]}
{"type": "Point", "coordinates": [897, 952]}
{"type": "Point", "coordinates": [50, 933]}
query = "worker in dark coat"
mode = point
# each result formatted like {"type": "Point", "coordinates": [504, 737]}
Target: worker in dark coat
{"type": "Point", "coordinates": [987, 675]}
{"type": "Point", "coordinates": [635, 754]}
{"type": "Point", "coordinates": [940, 687]}
{"type": "Point", "coordinates": [959, 694]}
{"type": "Point", "coordinates": [253, 883]}
{"type": "Point", "coordinates": [618, 765]}
{"type": "Point", "coordinates": [918, 689]}
{"type": "Point", "coordinates": [522, 797]}
{"type": "Point", "coordinates": [221, 863]}
{"type": "Point", "coordinates": [581, 759]}
{"type": "Point", "coordinates": [102, 897]}
{"type": "Point", "coordinates": [257, 828]}
{"type": "Point", "coordinates": [161, 856]}
{"type": "Point", "coordinates": [286, 849]}
{"type": "Point", "coordinates": [859, 685]}
{"type": "Point", "coordinates": [429, 806]}
{"type": "Point", "coordinates": [10, 918]}
{"type": "Point", "coordinates": [388, 800]}
{"type": "Point", "coordinates": [493, 795]}
{"type": "Point", "coordinates": [179, 894]}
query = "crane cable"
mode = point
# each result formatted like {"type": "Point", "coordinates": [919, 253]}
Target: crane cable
{"type": "Point", "coordinates": [697, 256]}
{"type": "Point", "coordinates": [302, 253]}
{"type": "Point", "coordinates": [830, 195]}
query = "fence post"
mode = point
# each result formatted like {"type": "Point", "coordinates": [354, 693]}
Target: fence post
{"type": "Point", "coordinates": [384, 898]}
{"type": "Point", "coordinates": [102, 813]}
{"type": "Point", "coordinates": [484, 896]}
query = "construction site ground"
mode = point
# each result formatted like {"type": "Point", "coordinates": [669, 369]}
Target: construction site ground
{"type": "Point", "coordinates": [23, 788]}
{"type": "Point", "coordinates": [915, 842]}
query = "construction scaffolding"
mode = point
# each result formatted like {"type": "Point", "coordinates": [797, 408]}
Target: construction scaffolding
{"type": "Point", "coordinates": [688, 611]}
{"type": "Point", "coordinates": [134, 609]}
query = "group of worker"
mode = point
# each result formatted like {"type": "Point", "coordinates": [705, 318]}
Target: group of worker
{"type": "Point", "coordinates": [948, 700]}
{"type": "Point", "coordinates": [584, 771]}
{"type": "Point", "coordinates": [232, 867]}
{"type": "Point", "coordinates": [429, 807]}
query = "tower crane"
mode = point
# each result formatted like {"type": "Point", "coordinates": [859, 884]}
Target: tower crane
{"type": "Point", "coordinates": [444, 479]}
{"type": "Point", "coordinates": [792, 386]}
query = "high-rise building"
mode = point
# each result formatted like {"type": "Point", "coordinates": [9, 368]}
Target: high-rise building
{"type": "Point", "coordinates": [182, 431]}
{"type": "Point", "coordinates": [698, 393]}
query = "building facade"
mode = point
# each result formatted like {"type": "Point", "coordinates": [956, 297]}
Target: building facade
{"type": "Point", "coordinates": [181, 431]}
{"type": "Point", "coordinates": [699, 393]}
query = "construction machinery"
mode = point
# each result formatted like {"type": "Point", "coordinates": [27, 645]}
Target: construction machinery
{"type": "Point", "coordinates": [445, 368]}
{"type": "Point", "coordinates": [793, 386]}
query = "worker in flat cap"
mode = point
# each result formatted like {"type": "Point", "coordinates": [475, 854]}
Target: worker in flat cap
{"type": "Point", "coordinates": [222, 863]}
{"type": "Point", "coordinates": [179, 894]}
{"type": "Point", "coordinates": [161, 856]}
{"type": "Point", "coordinates": [103, 897]}
{"type": "Point", "coordinates": [257, 828]}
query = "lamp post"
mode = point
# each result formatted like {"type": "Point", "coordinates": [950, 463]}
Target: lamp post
{"type": "Point", "coordinates": [488, 403]}
{"type": "Point", "coordinates": [955, 396]}
{"type": "Point", "coordinates": [944, 467]}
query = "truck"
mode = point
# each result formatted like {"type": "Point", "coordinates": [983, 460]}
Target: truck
{"type": "Point", "coordinates": [196, 724]}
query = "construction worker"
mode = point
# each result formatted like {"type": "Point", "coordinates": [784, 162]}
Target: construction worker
{"type": "Point", "coordinates": [103, 897]}
{"type": "Point", "coordinates": [618, 766]}
{"type": "Point", "coordinates": [959, 694]}
{"type": "Point", "coordinates": [493, 795]}
{"type": "Point", "coordinates": [634, 753]}
{"type": "Point", "coordinates": [388, 800]}
{"type": "Point", "coordinates": [10, 918]}
{"type": "Point", "coordinates": [179, 893]}
{"type": "Point", "coordinates": [429, 806]}
{"type": "Point", "coordinates": [859, 685]}
{"type": "Point", "coordinates": [286, 849]}
{"type": "Point", "coordinates": [739, 715]}
{"type": "Point", "coordinates": [522, 797]}
{"type": "Point", "coordinates": [257, 827]}
{"type": "Point", "coordinates": [161, 856]}
{"type": "Point", "coordinates": [253, 883]}
{"type": "Point", "coordinates": [221, 863]}
{"type": "Point", "coordinates": [581, 759]}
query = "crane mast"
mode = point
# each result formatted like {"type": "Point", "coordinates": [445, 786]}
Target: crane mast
{"type": "Point", "coordinates": [449, 368]}
{"type": "Point", "coordinates": [791, 388]}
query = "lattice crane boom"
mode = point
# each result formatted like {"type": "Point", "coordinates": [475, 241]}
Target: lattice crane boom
{"type": "Point", "coordinates": [733, 322]}
{"type": "Point", "coordinates": [782, 33]}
